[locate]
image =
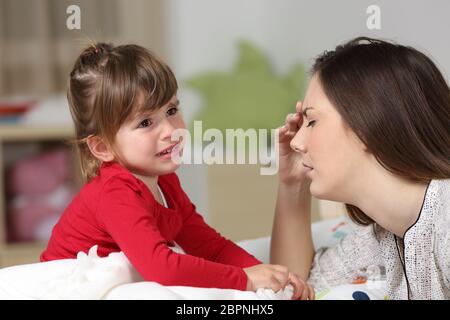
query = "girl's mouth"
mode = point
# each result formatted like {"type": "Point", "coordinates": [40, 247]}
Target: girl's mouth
{"type": "Point", "coordinates": [168, 151]}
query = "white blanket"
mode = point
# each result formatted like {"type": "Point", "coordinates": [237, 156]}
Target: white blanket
{"type": "Point", "coordinates": [113, 277]}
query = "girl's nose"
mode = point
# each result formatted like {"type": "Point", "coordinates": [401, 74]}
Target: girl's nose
{"type": "Point", "coordinates": [167, 129]}
{"type": "Point", "coordinates": [298, 142]}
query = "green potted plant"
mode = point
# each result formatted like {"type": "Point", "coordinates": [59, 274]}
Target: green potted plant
{"type": "Point", "coordinates": [250, 96]}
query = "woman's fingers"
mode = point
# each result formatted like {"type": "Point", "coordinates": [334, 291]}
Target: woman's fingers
{"type": "Point", "coordinates": [298, 286]}
{"type": "Point", "coordinates": [292, 122]}
{"type": "Point", "coordinates": [281, 277]}
{"type": "Point", "coordinates": [282, 133]}
{"type": "Point", "coordinates": [305, 293]}
{"type": "Point", "coordinates": [298, 107]}
{"type": "Point", "coordinates": [286, 133]}
{"type": "Point", "coordinates": [312, 294]}
{"type": "Point", "coordinates": [291, 125]}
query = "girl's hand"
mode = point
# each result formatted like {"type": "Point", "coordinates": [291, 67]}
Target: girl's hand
{"type": "Point", "coordinates": [291, 170]}
{"type": "Point", "coordinates": [277, 277]}
{"type": "Point", "coordinates": [268, 276]}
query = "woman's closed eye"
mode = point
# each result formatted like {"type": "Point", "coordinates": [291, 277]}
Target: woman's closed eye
{"type": "Point", "coordinates": [311, 123]}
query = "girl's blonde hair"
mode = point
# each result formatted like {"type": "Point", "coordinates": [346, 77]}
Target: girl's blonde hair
{"type": "Point", "coordinates": [104, 90]}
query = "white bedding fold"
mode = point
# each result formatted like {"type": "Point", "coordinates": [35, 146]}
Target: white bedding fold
{"type": "Point", "coordinates": [112, 277]}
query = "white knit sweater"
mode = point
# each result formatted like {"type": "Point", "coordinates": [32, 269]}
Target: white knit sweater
{"type": "Point", "coordinates": [425, 273]}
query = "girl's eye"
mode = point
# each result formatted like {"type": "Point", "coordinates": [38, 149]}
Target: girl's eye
{"type": "Point", "coordinates": [172, 111]}
{"type": "Point", "coordinates": [311, 123]}
{"type": "Point", "coordinates": [145, 123]}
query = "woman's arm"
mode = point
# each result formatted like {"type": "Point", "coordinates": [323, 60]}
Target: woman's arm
{"type": "Point", "coordinates": [291, 242]}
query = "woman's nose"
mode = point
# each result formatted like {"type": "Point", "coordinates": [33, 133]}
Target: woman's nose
{"type": "Point", "coordinates": [298, 142]}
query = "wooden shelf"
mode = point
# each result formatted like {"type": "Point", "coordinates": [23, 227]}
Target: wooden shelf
{"type": "Point", "coordinates": [35, 133]}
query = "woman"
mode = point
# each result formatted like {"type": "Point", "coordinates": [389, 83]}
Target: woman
{"type": "Point", "coordinates": [373, 133]}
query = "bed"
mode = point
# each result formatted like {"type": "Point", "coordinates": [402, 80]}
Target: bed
{"type": "Point", "coordinates": [90, 277]}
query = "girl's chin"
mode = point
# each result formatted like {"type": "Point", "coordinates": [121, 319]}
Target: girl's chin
{"type": "Point", "coordinates": [169, 167]}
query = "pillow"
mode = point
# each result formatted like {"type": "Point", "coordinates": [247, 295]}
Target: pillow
{"type": "Point", "coordinates": [325, 233]}
{"type": "Point", "coordinates": [370, 290]}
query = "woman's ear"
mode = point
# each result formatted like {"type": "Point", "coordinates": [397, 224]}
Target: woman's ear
{"type": "Point", "coordinates": [100, 149]}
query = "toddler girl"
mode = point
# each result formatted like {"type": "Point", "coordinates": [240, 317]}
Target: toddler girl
{"type": "Point", "coordinates": [123, 101]}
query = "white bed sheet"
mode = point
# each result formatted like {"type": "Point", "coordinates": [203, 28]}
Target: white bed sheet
{"type": "Point", "coordinates": [113, 277]}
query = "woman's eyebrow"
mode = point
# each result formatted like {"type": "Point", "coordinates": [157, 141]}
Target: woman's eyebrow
{"type": "Point", "coordinates": [306, 110]}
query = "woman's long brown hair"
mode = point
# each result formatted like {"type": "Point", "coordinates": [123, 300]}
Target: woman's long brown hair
{"type": "Point", "coordinates": [396, 101]}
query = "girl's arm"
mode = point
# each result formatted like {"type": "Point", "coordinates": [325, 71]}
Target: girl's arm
{"type": "Point", "coordinates": [124, 215]}
{"type": "Point", "coordinates": [199, 239]}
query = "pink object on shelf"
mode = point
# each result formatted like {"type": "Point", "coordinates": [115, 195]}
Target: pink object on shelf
{"type": "Point", "coordinates": [40, 190]}
{"type": "Point", "coordinates": [40, 174]}
{"type": "Point", "coordinates": [26, 220]}
{"type": "Point", "coordinates": [33, 218]}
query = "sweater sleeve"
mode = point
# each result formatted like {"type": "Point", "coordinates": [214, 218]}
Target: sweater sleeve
{"type": "Point", "coordinates": [340, 264]}
{"type": "Point", "coordinates": [129, 220]}
{"type": "Point", "coordinates": [199, 239]}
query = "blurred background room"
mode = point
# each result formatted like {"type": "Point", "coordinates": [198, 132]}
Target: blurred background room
{"type": "Point", "coordinates": [240, 64]}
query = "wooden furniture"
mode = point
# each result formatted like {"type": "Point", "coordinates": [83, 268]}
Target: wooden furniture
{"type": "Point", "coordinates": [12, 139]}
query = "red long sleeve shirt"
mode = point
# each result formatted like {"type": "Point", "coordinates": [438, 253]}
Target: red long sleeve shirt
{"type": "Point", "coordinates": [117, 212]}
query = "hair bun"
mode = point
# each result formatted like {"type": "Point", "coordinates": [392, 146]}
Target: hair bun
{"type": "Point", "coordinates": [92, 55]}
{"type": "Point", "coordinates": [101, 47]}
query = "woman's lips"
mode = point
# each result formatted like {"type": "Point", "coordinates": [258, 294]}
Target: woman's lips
{"type": "Point", "coordinates": [306, 166]}
{"type": "Point", "coordinates": [308, 170]}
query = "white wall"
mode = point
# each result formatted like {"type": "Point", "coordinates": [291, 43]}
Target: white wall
{"type": "Point", "coordinates": [201, 35]}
